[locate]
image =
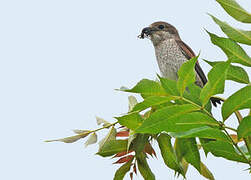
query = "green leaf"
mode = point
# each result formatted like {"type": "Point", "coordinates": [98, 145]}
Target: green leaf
{"type": "Point", "coordinates": [216, 82]}
{"type": "Point", "coordinates": [158, 121]}
{"type": "Point", "coordinates": [152, 101]}
{"type": "Point", "coordinates": [189, 121]}
{"type": "Point", "coordinates": [170, 86]}
{"type": "Point", "coordinates": [233, 50]}
{"type": "Point", "coordinates": [235, 10]}
{"type": "Point", "coordinates": [147, 88]}
{"type": "Point", "coordinates": [102, 121]}
{"type": "Point", "coordinates": [237, 101]}
{"type": "Point", "coordinates": [234, 73]}
{"type": "Point", "coordinates": [121, 172]}
{"type": "Point", "coordinates": [205, 172]}
{"type": "Point", "coordinates": [112, 147]}
{"type": "Point", "coordinates": [193, 94]}
{"type": "Point", "coordinates": [204, 141]}
{"type": "Point", "coordinates": [111, 135]}
{"type": "Point", "coordinates": [92, 139]}
{"type": "Point", "coordinates": [184, 165]}
{"type": "Point", "coordinates": [71, 139]}
{"type": "Point", "coordinates": [144, 168]}
{"type": "Point", "coordinates": [244, 128]}
{"type": "Point", "coordinates": [233, 33]}
{"type": "Point", "coordinates": [186, 75]}
{"type": "Point", "coordinates": [202, 132]}
{"type": "Point", "coordinates": [139, 142]}
{"type": "Point", "coordinates": [132, 102]}
{"type": "Point", "coordinates": [131, 120]}
{"type": "Point", "coordinates": [168, 153]}
{"type": "Point", "coordinates": [131, 137]}
{"type": "Point", "coordinates": [187, 148]}
{"type": "Point", "coordinates": [225, 150]}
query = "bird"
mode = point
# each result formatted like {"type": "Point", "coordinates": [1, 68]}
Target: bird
{"type": "Point", "coordinates": [171, 52]}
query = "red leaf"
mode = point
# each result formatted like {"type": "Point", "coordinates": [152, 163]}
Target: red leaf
{"type": "Point", "coordinates": [124, 159]}
{"type": "Point", "coordinates": [122, 134]}
{"type": "Point", "coordinates": [122, 153]}
{"type": "Point", "coordinates": [149, 149]}
{"type": "Point", "coordinates": [131, 175]}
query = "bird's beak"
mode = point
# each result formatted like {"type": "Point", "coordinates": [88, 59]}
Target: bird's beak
{"type": "Point", "coordinates": [145, 32]}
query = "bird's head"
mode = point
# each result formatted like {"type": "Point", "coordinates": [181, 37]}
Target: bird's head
{"type": "Point", "coordinates": [159, 31]}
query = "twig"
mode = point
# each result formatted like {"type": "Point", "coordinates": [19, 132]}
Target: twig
{"type": "Point", "coordinates": [107, 126]}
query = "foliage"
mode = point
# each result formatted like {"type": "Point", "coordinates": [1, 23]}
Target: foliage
{"type": "Point", "coordinates": [178, 114]}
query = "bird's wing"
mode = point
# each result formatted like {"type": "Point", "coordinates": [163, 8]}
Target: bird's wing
{"type": "Point", "coordinates": [188, 53]}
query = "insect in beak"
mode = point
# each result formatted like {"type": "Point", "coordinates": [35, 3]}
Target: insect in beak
{"type": "Point", "coordinates": [145, 33]}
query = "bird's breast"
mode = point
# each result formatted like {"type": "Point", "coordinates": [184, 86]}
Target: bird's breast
{"type": "Point", "coordinates": [169, 58]}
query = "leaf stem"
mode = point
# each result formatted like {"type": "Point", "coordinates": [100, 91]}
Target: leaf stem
{"type": "Point", "coordinates": [247, 139]}
{"type": "Point", "coordinates": [227, 127]}
{"type": "Point", "coordinates": [104, 127]}
{"type": "Point", "coordinates": [238, 115]}
{"type": "Point", "coordinates": [191, 102]}
{"type": "Point", "coordinates": [209, 114]}
{"type": "Point", "coordinates": [224, 127]}
{"type": "Point", "coordinates": [237, 147]}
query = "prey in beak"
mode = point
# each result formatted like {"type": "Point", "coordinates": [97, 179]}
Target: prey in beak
{"type": "Point", "coordinates": [145, 33]}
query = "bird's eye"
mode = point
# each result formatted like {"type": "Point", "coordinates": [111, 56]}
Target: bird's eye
{"type": "Point", "coordinates": [161, 26]}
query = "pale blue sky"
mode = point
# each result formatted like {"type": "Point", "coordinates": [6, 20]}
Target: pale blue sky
{"type": "Point", "coordinates": [60, 62]}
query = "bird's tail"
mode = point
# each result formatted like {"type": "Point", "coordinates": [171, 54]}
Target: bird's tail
{"type": "Point", "coordinates": [216, 101]}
